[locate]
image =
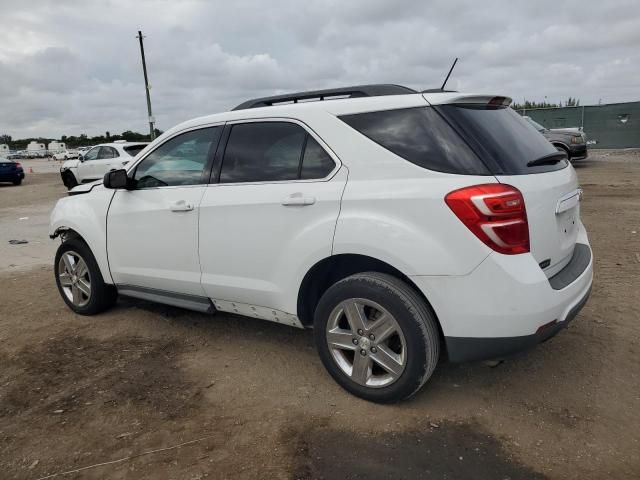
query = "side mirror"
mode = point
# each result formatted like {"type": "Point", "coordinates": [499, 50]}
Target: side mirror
{"type": "Point", "coordinates": [80, 157]}
{"type": "Point", "coordinates": [116, 179]}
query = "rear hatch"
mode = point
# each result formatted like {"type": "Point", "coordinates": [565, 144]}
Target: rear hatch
{"type": "Point", "coordinates": [518, 155]}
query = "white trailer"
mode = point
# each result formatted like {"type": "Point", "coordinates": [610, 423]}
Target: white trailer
{"type": "Point", "coordinates": [56, 147]}
{"type": "Point", "coordinates": [36, 149]}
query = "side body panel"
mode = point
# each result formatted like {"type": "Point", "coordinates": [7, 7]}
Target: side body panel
{"type": "Point", "coordinates": [95, 169]}
{"type": "Point", "coordinates": [394, 210]}
{"type": "Point", "coordinates": [153, 240]}
{"type": "Point", "coordinates": [255, 250]}
{"type": "Point", "coordinates": [84, 168]}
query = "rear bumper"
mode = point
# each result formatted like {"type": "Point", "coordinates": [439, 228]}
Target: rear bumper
{"type": "Point", "coordinates": [507, 304]}
{"type": "Point", "coordinates": [578, 152]}
{"type": "Point", "coordinates": [461, 349]}
{"type": "Point", "coordinates": [10, 177]}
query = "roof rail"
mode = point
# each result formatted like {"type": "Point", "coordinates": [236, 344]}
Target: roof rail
{"type": "Point", "coordinates": [438, 90]}
{"type": "Point", "coordinates": [348, 92]}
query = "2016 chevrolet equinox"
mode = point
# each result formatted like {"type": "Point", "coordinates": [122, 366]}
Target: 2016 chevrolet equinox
{"type": "Point", "coordinates": [400, 225]}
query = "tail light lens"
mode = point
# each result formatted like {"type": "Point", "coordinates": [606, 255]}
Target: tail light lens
{"type": "Point", "coordinates": [18, 165]}
{"type": "Point", "coordinates": [495, 213]}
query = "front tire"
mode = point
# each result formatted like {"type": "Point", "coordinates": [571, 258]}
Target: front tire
{"type": "Point", "coordinates": [69, 180]}
{"type": "Point", "coordinates": [79, 280]}
{"type": "Point", "coordinates": [376, 337]}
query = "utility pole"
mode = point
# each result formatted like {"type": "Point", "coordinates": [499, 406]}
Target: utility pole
{"type": "Point", "coordinates": [146, 87]}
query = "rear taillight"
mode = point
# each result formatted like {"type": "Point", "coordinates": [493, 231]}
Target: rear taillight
{"type": "Point", "coordinates": [18, 165]}
{"type": "Point", "coordinates": [495, 213]}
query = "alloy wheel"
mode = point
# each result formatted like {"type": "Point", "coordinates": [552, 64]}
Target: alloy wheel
{"type": "Point", "coordinates": [366, 342]}
{"type": "Point", "coordinates": [74, 277]}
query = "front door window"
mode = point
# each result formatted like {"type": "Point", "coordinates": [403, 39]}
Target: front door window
{"type": "Point", "coordinates": [179, 161]}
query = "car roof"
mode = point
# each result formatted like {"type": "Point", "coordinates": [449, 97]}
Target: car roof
{"type": "Point", "coordinates": [393, 97]}
{"type": "Point", "coordinates": [119, 144]}
{"type": "Point", "coordinates": [356, 91]}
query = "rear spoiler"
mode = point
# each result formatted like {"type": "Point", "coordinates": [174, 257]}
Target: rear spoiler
{"type": "Point", "coordinates": [469, 98]}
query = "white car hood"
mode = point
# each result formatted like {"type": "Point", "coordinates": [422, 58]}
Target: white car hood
{"type": "Point", "coordinates": [84, 187]}
{"type": "Point", "coordinates": [73, 163]}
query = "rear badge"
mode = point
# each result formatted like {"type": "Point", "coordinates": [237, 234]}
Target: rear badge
{"type": "Point", "coordinates": [545, 263]}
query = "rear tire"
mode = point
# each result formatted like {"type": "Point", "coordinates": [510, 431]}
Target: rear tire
{"type": "Point", "coordinates": [79, 280]}
{"type": "Point", "coordinates": [17, 181]}
{"type": "Point", "coordinates": [397, 347]}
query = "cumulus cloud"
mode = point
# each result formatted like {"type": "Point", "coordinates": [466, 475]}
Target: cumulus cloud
{"type": "Point", "coordinates": [72, 66]}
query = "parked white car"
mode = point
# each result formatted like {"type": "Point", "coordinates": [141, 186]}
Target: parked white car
{"type": "Point", "coordinates": [402, 226]}
{"type": "Point", "coordinates": [65, 155]}
{"type": "Point", "coordinates": [92, 164]}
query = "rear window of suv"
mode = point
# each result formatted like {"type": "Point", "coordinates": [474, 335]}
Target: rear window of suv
{"type": "Point", "coordinates": [461, 139]}
{"type": "Point", "coordinates": [133, 150]}
{"type": "Point", "coordinates": [504, 140]}
{"type": "Point", "coordinates": [421, 136]}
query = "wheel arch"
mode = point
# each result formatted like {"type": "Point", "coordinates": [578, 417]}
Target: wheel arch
{"type": "Point", "coordinates": [95, 242]}
{"type": "Point", "coordinates": [66, 233]}
{"type": "Point", "coordinates": [331, 269]}
{"type": "Point", "coordinates": [69, 177]}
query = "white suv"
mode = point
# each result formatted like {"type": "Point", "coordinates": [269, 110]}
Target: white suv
{"type": "Point", "coordinates": [93, 163]}
{"type": "Point", "coordinates": [65, 155]}
{"type": "Point", "coordinates": [402, 226]}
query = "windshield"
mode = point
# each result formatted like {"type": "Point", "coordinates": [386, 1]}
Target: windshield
{"type": "Point", "coordinates": [504, 140]}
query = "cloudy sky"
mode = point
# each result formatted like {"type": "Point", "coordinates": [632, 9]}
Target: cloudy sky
{"type": "Point", "coordinates": [73, 66]}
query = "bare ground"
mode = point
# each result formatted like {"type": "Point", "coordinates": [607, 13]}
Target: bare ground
{"type": "Point", "coordinates": [252, 400]}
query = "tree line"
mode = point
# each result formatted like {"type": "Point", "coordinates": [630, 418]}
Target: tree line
{"type": "Point", "coordinates": [82, 140]}
{"type": "Point", "coordinates": [570, 102]}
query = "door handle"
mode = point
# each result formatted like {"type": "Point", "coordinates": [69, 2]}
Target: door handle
{"type": "Point", "coordinates": [297, 200]}
{"type": "Point", "coordinates": [181, 206]}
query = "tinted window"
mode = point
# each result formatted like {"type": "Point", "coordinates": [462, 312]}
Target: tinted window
{"type": "Point", "coordinates": [179, 161]}
{"type": "Point", "coordinates": [420, 136]}
{"type": "Point", "coordinates": [504, 140]}
{"type": "Point", "coordinates": [133, 150]}
{"type": "Point", "coordinates": [107, 152]}
{"type": "Point", "coordinates": [262, 152]}
{"type": "Point", "coordinates": [316, 163]}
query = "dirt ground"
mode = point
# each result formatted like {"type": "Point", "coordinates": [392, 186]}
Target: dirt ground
{"type": "Point", "coordinates": [148, 391]}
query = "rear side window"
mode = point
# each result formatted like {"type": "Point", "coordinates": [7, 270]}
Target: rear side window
{"type": "Point", "coordinates": [107, 152]}
{"type": "Point", "coordinates": [133, 150]}
{"type": "Point", "coordinates": [262, 152]}
{"type": "Point", "coordinates": [421, 136]}
{"type": "Point", "coordinates": [271, 152]}
{"type": "Point", "coordinates": [505, 141]}
{"type": "Point", "coordinates": [316, 163]}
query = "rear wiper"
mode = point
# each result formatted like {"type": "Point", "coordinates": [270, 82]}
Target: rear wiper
{"type": "Point", "coordinates": [549, 159]}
